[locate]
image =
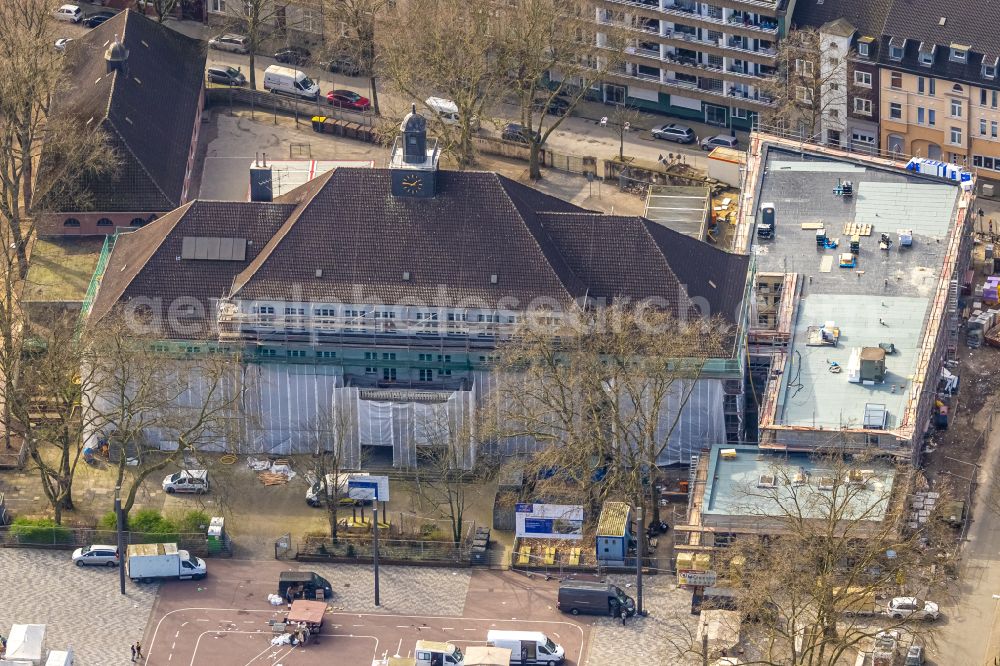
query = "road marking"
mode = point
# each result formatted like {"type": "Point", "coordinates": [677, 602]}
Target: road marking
{"type": "Point", "coordinates": [447, 628]}
{"type": "Point", "coordinates": [178, 632]}
{"type": "Point", "coordinates": [470, 630]}
{"type": "Point", "coordinates": [173, 645]}
{"type": "Point", "coordinates": [579, 628]}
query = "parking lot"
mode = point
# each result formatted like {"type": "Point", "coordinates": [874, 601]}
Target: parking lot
{"type": "Point", "coordinates": [224, 619]}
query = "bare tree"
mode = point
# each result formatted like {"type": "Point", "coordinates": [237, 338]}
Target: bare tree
{"type": "Point", "coordinates": [554, 53]}
{"type": "Point", "coordinates": [447, 47]}
{"type": "Point", "coordinates": [821, 551]}
{"type": "Point", "coordinates": [257, 20]}
{"type": "Point", "coordinates": [623, 117]}
{"type": "Point", "coordinates": [358, 44]}
{"type": "Point", "coordinates": [46, 407]}
{"type": "Point", "coordinates": [151, 407]}
{"type": "Point", "coordinates": [449, 473]}
{"type": "Point", "coordinates": [30, 71]}
{"type": "Point", "coordinates": [330, 463]}
{"type": "Point", "coordinates": [162, 8]}
{"type": "Point", "coordinates": [602, 389]}
{"type": "Point", "coordinates": [811, 88]}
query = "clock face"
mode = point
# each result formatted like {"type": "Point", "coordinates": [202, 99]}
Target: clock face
{"type": "Point", "coordinates": [413, 184]}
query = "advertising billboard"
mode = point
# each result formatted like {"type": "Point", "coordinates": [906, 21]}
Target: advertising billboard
{"type": "Point", "coordinates": [549, 521]}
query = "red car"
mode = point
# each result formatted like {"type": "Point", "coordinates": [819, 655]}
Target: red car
{"type": "Point", "coordinates": [348, 99]}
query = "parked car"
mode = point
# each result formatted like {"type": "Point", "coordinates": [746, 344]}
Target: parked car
{"type": "Point", "coordinates": [97, 19]}
{"type": "Point", "coordinates": [674, 132]}
{"type": "Point", "coordinates": [348, 99]}
{"type": "Point", "coordinates": [62, 42]}
{"type": "Point", "coordinates": [228, 76]}
{"type": "Point", "coordinates": [912, 607]}
{"type": "Point", "coordinates": [187, 481]}
{"type": "Point", "coordinates": [344, 65]}
{"type": "Point", "coordinates": [557, 106]}
{"type": "Point", "coordinates": [104, 556]}
{"type": "Point", "coordinates": [293, 55]}
{"type": "Point", "coordinates": [230, 42]}
{"type": "Point", "coordinates": [69, 13]}
{"type": "Point", "coordinates": [720, 141]}
{"type": "Point", "coordinates": [518, 133]}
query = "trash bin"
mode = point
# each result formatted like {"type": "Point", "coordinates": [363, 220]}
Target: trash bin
{"type": "Point", "coordinates": [317, 123]}
{"type": "Point", "coordinates": [216, 535]}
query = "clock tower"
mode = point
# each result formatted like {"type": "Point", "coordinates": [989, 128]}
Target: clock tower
{"type": "Point", "coordinates": [414, 161]}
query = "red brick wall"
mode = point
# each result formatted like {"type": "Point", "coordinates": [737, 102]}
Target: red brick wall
{"type": "Point", "coordinates": [54, 224]}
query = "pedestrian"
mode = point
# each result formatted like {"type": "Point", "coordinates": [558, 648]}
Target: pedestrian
{"type": "Point", "coordinates": [133, 651]}
{"type": "Point", "coordinates": [138, 650]}
{"type": "Point", "coordinates": [624, 615]}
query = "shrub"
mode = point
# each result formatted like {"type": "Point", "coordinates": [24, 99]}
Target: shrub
{"type": "Point", "coordinates": [108, 522]}
{"type": "Point", "coordinates": [40, 531]}
{"type": "Point", "coordinates": [194, 521]}
{"type": "Point", "coordinates": [151, 521]}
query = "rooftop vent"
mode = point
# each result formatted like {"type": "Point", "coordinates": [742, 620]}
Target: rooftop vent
{"type": "Point", "coordinates": [115, 56]}
{"type": "Point", "coordinates": [767, 481]}
{"type": "Point", "coordinates": [406, 275]}
{"type": "Point", "coordinates": [319, 272]}
{"type": "Point", "coordinates": [493, 279]}
{"type": "Point", "coordinates": [942, 21]}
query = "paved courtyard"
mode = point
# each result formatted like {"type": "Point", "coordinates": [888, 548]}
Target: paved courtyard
{"type": "Point", "coordinates": [80, 606]}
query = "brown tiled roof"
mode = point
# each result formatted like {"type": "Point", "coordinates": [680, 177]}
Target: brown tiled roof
{"type": "Point", "coordinates": [149, 112]}
{"type": "Point", "coordinates": [347, 225]}
{"type": "Point", "coordinates": [364, 240]}
{"type": "Point", "coordinates": [146, 263]}
{"type": "Point", "coordinates": [867, 16]}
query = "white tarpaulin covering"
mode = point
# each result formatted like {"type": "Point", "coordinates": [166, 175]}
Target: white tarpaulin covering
{"type": "Point", "coordinates": [26, 641]}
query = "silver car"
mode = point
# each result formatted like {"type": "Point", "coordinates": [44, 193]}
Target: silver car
{"type": "Point", "coordinates": [104, 556]}
{"type": "Point", "coordinates": [230, 42]}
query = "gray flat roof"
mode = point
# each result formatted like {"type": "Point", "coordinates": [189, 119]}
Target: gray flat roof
{"type": "Point", "coordinates": [884, 298]}
{"type": "Point", "coordinates": [733, 488]}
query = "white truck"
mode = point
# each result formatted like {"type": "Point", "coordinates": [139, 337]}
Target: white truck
{"type": "Point", "coordinates": [148, 562]}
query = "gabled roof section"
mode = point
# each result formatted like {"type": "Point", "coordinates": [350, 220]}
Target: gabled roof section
{"type": "Point", "coordinates": [970, 22]}
{"type": "Point", "coordinates": [147, 263]}
{"type": "Point", "coordinates": [634, 258]}
{"type": "Point", "coordinates": [149, 110]}
{"type": "Point", "coordinates": [866, 16]}
{"type": "Point", "coordinates": [374, 247]}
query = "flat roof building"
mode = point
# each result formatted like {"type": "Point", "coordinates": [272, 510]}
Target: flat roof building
{"type": "Point", "coordinates": [854, 303]}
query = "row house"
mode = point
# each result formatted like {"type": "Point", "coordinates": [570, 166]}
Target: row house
{"type": "Point", "coordinates": [923, 79]}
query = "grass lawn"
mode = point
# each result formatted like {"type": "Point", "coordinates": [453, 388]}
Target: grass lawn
{"type": "Point", "coordinates": [60, 268]}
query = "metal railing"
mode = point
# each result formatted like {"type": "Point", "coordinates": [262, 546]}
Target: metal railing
{"type": "Point", "coordinates": [388, 549]}
{"type": "Point", "coordinates": [692, 13]}
{"type": "Point", "coordinates": [65, 537]}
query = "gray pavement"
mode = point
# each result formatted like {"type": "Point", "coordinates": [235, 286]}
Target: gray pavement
{"type": "Point", "coordinates": [664, 636]}
{"type": "Point", "coordinates": [80, 606]}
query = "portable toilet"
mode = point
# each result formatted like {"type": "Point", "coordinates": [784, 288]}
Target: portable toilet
{"type": "Point", "coordinates": [216, 535]}
{"type": "Point", "coordinates": [614, 533]}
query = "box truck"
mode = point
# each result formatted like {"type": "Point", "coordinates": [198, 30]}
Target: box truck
{"type": "Point", "coordinates": [148, 562]}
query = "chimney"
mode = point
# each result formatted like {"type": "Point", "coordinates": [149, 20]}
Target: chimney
{"type": "Point", "coordinates": [116, 56]}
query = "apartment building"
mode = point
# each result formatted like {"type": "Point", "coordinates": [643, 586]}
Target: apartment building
{"type": "Point", "coordinates": [697, 60]}
{"type": "Point", "coordinates": [924, 75]}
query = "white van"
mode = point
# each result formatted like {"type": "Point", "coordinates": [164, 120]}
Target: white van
{"type": "Point", "coordinates": [435, 653]}
{"type": "Point", "coordinates": [527, 647]}
{"type": "Point", "coordinates": [288, 81]}
{"type": "Point", "coordinates": [447, 111]}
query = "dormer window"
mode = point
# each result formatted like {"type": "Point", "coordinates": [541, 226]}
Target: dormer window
{"type": "Point", "coordinates": [896, 48]}
{"type": "Point", "coordinates": [925, 54]}
{"type": "Point", "coordinates": [865, 47]}
{"type": "Point", "coordinates": [959, 53]}
{"type": "Point", "coordinates": [989, 68]}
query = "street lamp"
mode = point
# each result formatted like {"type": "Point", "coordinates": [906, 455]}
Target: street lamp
{"type": "Point", "coordinates": [120, 523]}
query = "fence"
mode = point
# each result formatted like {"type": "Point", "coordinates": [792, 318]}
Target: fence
{"type": "Point", "coordinates": [389, 551]}
{"type": "Point", "coordinates": [14, 457]}
{"type": "Point", "coordinates": [303, 110]}
{"type": "Point", "coordinates": [65, 537]}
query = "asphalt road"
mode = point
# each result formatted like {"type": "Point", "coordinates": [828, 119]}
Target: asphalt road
{"type": "Point", "coordinates": [223, 620]}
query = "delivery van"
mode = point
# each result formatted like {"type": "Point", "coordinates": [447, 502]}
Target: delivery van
{"type": "Point", "coordinates": [527, 647]}
{"type": "Point", "coordinates": [288, 81]}
{"type": "Point", "coordinates": [447, 111]}
{"type": "Point", "coordinates": [436, 653]}
{"type": "Point", "coordinates": [303, 585]}
{"type": "Point", "coordinates": [593, 598]}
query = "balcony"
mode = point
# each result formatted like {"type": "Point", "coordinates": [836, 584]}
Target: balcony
{"type": "Point", "coordinates": [730, 96]}
{"type": "Point", "coordinates": [715, 46]}
{"type": "Point", "coordinates": [691, 66]}
{"type": "Point", "coordinates": [761, 27]}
